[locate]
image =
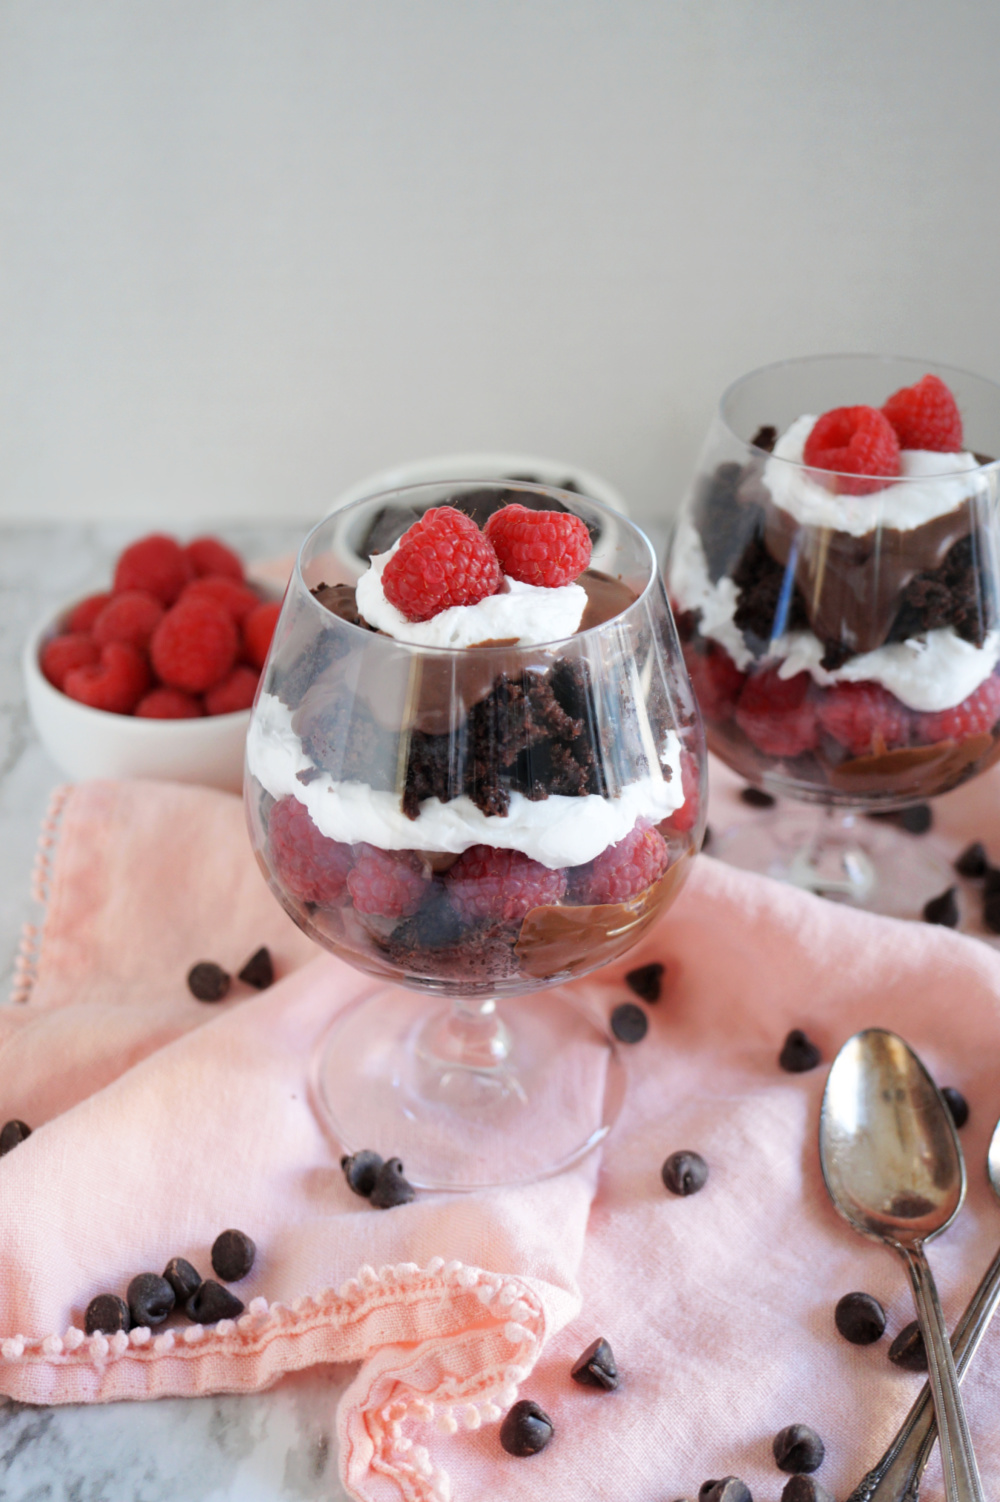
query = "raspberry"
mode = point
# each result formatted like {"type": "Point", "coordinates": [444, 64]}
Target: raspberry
{"type": "Point", "coordinates": [686, 817]}
{"type": "Point", "coordinates": [501, 885]}
{"type": "Point", "coordinates": [623, 870]}
{"type": "Point", "coordinates": [864, 718]}
{"type": "Point", "coordinates": [549, 548]}
{"type": "Point", "coordinates": [258, 629]}
{"type": "Point", "coordinates": [233, 693]}
{"type": "Point", "coordinates": [307, 864]}
{"type": "Point", "coordinates": [116, 683]}
{"type": "Point", "coordinates": [777, 714]}
{"type": "Point", "coordinates": [716, 681]}
{"type": "Point", "coordinates": [168, 704]}
{"type": "Point", "coordinates": [155, 563]}
{"type": "Point", "coordinates": [195, 645]}
{"type": "Point", "coordinates": [926, 416]}
{"type": "Point", "coordinates": [237, 598]}
{"type": "Point", "coordinates": [62, 654]}
{"type": "Point", "coordinates": [130, 617]}
{"type": "Point", "coordinates": [443, 560]}
{"type": "Point", "coordinates": [207, 555]}
{"type": "Point", "coordinates": [83, 616]}
{"type": "Point", "coordinates": [976, 715]}
{"type": "Point", "coordinates": [854, 441]}
{"type": "Point", "coordinates": [388, 883]}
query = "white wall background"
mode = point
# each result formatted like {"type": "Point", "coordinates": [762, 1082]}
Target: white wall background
{"type": "Point", "coordinates": [254, 249]}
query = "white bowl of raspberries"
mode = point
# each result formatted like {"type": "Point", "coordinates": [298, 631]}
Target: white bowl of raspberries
{"type": "Point", "coordinates": [156, 676]}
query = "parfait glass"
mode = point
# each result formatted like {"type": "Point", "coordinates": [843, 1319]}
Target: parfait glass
{"type": "Point", "coordinates": [843, 646]}
{"type": "Point", "coordinates": [470, 827]}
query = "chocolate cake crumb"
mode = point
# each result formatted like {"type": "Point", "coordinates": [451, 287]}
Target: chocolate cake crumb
{"type": "Point", "coordinates": [951, 595]}
{"type": "Point", "coordinates": [761, 581]}
{"type": "Point", "coordinates": [727, 525]}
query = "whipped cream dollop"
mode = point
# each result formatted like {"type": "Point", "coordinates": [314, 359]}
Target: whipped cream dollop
{"type": "Point", "coordinates": [932, 485]}
{"type": "Point", "coordinates": [525, 613]}
{"type": "Point", "coordinates": [558, 831]}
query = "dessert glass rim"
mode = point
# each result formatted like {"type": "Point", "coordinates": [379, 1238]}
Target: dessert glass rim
{"type": "Point", "coordinates": [932, 367]}
{"type": "Point", "coordinates": [481, 484]}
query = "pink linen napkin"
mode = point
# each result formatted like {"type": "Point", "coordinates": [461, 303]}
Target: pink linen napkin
{"type": "Point", "coordinates": [159, 1121]}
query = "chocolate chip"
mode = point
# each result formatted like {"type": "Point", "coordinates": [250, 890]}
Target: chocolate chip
{"type": "Point", "coordinates": [798, 1448]}
{"type": "Point", "coordinates": [991, 913]}
{"type": "Point", "coordinates": [208, 981]}
{"type": "Point", "coordinates": [391, 1187]}
{"type": "Point", "coordinates": [684, 1173]}
{"type": "Point", "coordinates": [11, 1134]}
{"type": "Point", "coordinates": [150, 1299]}
{"type": "Point", "coordinates": [991, 881]}
{"type": "Point", "coordinates": [943, 909]}
{"type": "Point", "coordinates": [798, 1053]}
{"type": "Point", "coordinates": [917, 819]}
{"type": "Point", "coordinates": [729, 1489]}
{"type": "Point", "coordinates": [706, 838]}
{"type": "Point", "coordinates": [232, 1255]}
{"type": "Point", "coordinates": [526, 1429]}
{"type": "Point", "coordinates": [183, 1278]}
{"type": "Point", "coordinates": [957, 1105]}
{"type": "Point", "coordinates": [212, 1302]}
{"type": "Point", "coordinates": [361, 1171]}
{"type": "Point", "coordinates": [646, 981]}
{"type": "Point", "coordinates": [765, 438]}
{"type": "Point", "coordinates": [258, 970]}
{"type": "Point", "coordinates": [107, 1314]}
{"type": "Point", "coordinates": [972, 861]}
{"type": "Point", "coordinates": [757, 798]}
{"type": "Point", "coordinates": [860, 1318]}
{"type": "Point", "coordinates": [596, 1367]}
{"type": "Point", "coordinates": [805, 1489]}
{"type": "Point", "coordinates": [908, 1350]}
{"type": "Point", "coordinates": [629, 1023]}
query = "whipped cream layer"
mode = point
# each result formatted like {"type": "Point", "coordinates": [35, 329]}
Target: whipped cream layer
{"type": "Point", "coordinates": [557, 831]}
{"type": "Point", "coordinates": [932, 485]}
{"type": "Point", "coordinates": [525, 613]}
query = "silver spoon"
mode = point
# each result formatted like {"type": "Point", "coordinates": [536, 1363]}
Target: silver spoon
{"type": "Point", "coordinates": [894, 1170]}
{"type": "Point", "coordinates": [896, 1477]}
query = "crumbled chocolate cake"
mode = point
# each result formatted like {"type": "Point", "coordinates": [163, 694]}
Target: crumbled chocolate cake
{"type": "Point", "coordinates": [761, 582]}
{"type": "Point", "coordinates": [951, 595]}
{"type": "Point", "coordinates": [340, 735]}
{"type": "Point", "coordinates": [726, 523]}
{"type": "Point", "coordinates": [479, 952]}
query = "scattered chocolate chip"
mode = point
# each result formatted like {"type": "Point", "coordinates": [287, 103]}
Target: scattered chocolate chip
{"type": "Point", "coordinates": [706, 838]}
{"type": "Point", "coordinates": [11, 1134]}
{"type": "Point", "coordinates": [991, 912]}
{"type": "Point", "coordinates": [183, 1278]}
{"type": "Point", "coordinates": [798, 1448]}
{"type": "Point", "coordinates": [804, 1489]}
{"type": "Point", "coordinates": [232, 1255]}
{"type": "Point", "coordinates": [596, 1367]}
{"type": "Point", "coordinates": [391, 1187]}
{"type": "Point", "coordinates": [150, 1299]}
{"type": "Point", "coordinates": [258, 970]}
{"type": "Point", "coordinates": [765, 438]}
{"type": "Point", "coordinates": [526, 1429]}
{"type": "Point", "coordinates": [361, 1171]}
{"type": "Point", "coordinates": [860, 1318]}
{"type": "Point", "coordinates": [943, 909]}
{"type": "Point", "coordinates": [972, 861]}
{"type": "Point", "coordinates": [646, 981]}
{"type": "Point", "coordinates": [957, 1105]}
{"type": "Point", "coordinates": [908, 1350]}
{"type": "Point", "coordinates": [684, 1173]}
{"type": "Point", "coordinates": [757, 798]}
{"type": "Point", "coordinates": [107, 1314]}
{"type": "Point", "coordinates": [917, 819]}
{"type": "Point", "coordinates": [208, 981]}
{"type": "Point", "coordinates": [629, 1023]}
{"type": "Point", "coordinates": [729, 1489]}
{"type": "Point", "coordinates": [798, 1053]}
{"type": "Point", "coordinates": [212, 1302]}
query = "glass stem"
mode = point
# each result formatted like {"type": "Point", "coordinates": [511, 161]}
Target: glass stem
{"type": "Point", "coordinates": [833, 863]}
{"type": "Point", "coordinates": [471, 1035]}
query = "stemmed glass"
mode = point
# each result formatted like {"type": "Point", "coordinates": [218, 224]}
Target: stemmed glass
{"type": "Point", "coordinates": [473, 826]}
{"type": "Point", "coordinates": [842, 638]}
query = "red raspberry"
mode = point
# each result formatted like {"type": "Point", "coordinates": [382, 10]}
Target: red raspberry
{"type": "Point", "coordinates": [926, 416]}
{"type": "Point", "coordinates": [207, 555]}
{"type": "Point", "coordinates": [195, 645]}
{"type": "Point", "coordinates": [388, 883]}
{"type": "Point", "coordinates": [116, 683]}
{"type": "Point", "coordinates": [854, 441]}
{"type": "Point", "coordinates": [716, 680]}
{"type": "Point", "coordinates": [306, 863]}
{"type": "Point", "coordinates": [501, 885]}
{"type": "Point", "coordinates": [777, 714]}
{"type": "Point", "coordinates": [686, 817]}
{"type": "Point", "coordinates": [864, 718]}
{"type": "Point", "coordinates": [83, 616]}
{"type": "Point", "coordinates": [549, 548]}
{"type": "Point", "coordinates": [258, 629]}
{"type": "Point", "coordinates": [155, 563]}
{"type": "Point", "coordinates": [238, 599]}
{"type": "Point", "coordinates": [624, 870]}
{"type": "Point", "coordinates": [64, 653]}
{"type": "Point", "coordinates": [168, 704]}
{"type": "Point", "coordinates": [443, 560]}
{"type": "Point", "coordinates": [233, 693]}
{"type": "Point", "coordinates": [976, 715]}
{"type": "Point", "coordinates": [131, 617]}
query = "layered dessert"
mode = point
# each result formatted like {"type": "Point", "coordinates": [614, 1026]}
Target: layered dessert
{"type": "Point", "coordinates": [465, 773]}
{"type": "Point", "coordinates": [836, 599]}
